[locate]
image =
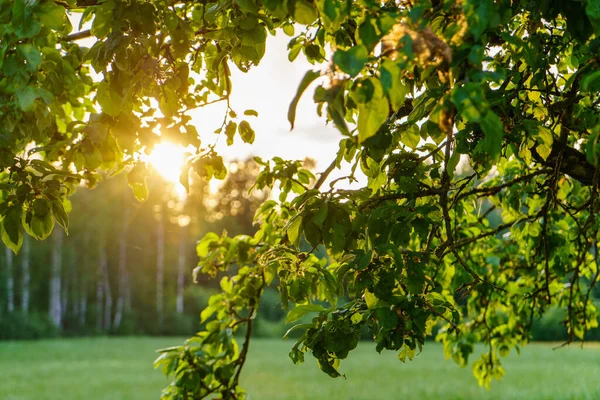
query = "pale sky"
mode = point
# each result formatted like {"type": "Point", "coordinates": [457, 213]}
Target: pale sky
{"type": "Point", "coordinates": [269, 89]}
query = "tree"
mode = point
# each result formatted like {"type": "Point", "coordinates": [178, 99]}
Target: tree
{"type": "Point", "coordinates": [10, 282]}
{"type": "Point", "coordinates": [416, 89]}
{"type": "Point", "coordinates": [55, 306]}
{"type": "Point", "coordinates": [123, 273]}
{"type": "Point", "coordinates": [25, 275]}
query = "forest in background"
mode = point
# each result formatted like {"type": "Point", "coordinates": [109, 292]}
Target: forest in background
{"type": "Point", "coordinates": [126, 267]}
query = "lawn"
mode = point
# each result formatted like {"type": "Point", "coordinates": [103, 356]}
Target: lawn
{"type": "Point", "coordinates": [121, 369]}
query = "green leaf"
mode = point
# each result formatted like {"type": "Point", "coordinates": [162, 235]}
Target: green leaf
{"type": "Point", "coordinates": [543, 151]}
{"type": "Point", "coordinates": [305, 12]}
{"type": "Point", "coordinates": [321, 215]}
{"type": "Point", "coordinates": [406, 352]}
{"type": "Point", "coordinates": [301, 310]}
{"type": "Point", "coordinates": [26, 97]}
{"type": "Point", "coordinates": [204, 246]}
{"type": "Point", "coordinates": [52, 15]}
{"type": "Point", "coordinates": [411, 136]}
{"type": "Point", "coordinates": [373, 113]}
{"type": "Point", "coordinates": [25, 24]}
{"type": "Point", "coordinates": [494, 135]}
{"type": "Point", "coordinates": [371, 300]}
{"type": "Point", "coordinates": [108, 100]}
{"type": "Point", "coordinates": [296, 327]}
{"type": "Point", "coordinates": [389, 76]}
{"type": "Point", "coordinates": [103, 19]}
{"type": "Point", "coordinates": [252, 113]}
{"type": "Point", "coordinates": [351, 61]}
{"type": "Point", "coordinates": [246, 132]}
{"type": "Point", "coordinates": [469, 101]}
{"type": "Point", "coordinates": [42, 226]}
{"type": "Point", "coordinates": [11, 230]}
{"type": "Point", "coordinates": [368, 34]}
{"type": "Point", "coordinates": [591, 148]}
{"type": "Point", "coordinates": [288, 29]}
{"type": "Point", "coordinates": [308, 78]}
{"type": "Point", "coordinates": [60, 215]}
{"type": "Point", "coordinates": [137, 181]}
{"type": "Point", "coordinates": [230, 130]}
{"type": "Point", "coordinates": [248, 6]}
{"type": "Point", "coordinates": [41, 207]}
{"type": "Point", "coordinates": [31, 54]}
{"type": "Point", "coordinates": [356, 318]}
{"type": "Point", "coordinates": [590, 83]}
{"type": "Point", "coordinates": [592, 9]}
{"type": "Point", "coordinates": [293, 229]}
{"type": "Point", "coordinates": [452, 163]}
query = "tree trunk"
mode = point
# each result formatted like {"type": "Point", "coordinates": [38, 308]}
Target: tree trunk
{"type": "Point", "coordinates": [55, 304]}
{"type": "Point", "coordinates": [25, 275]}
{"type": "Point", "coordinates": [160, 267]}
{"type": "Point", "coordinates": [76, 276]}
{"type": "Point", "coordinates": [181, 268]}
{"type": "Point", "coordinates": [83, 281]}
{"type": "Point", "coordinates": [123, 274]}
{"type": "Point", "coordinates": [107, 299]}
{"type": "Point", "coordinates": [100, 288]}
{"type": "Point", "coordinates": [64, 296]}
{"type": "Point", "coordinates": [10, 281]}
{"type": "Point", "coordinates": [103, 288]}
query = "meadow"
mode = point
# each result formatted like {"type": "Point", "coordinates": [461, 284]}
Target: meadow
{"type": "Point", "coordinates": [121, 369]}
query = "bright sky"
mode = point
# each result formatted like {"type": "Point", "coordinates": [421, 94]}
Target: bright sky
{"type": "Point", "coordinates": [269, 89]}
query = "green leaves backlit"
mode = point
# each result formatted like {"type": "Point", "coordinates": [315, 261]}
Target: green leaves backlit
{"type": "Point", "coordinates": [373, 107]}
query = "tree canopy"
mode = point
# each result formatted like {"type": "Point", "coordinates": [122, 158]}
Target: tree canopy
{"type": "Point", "coordinates": [453, 110]}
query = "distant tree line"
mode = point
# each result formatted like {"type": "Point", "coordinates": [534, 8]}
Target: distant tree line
{"type": "Point", "coordinates": [125, 267]}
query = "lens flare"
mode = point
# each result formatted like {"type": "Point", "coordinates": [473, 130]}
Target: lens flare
{"type": "Point", "coordinates": [167, 159]}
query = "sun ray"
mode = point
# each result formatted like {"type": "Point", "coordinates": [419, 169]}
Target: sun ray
{"type": "Point", "coordinates": [167, 159]}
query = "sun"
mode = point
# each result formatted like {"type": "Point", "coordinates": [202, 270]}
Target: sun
{"type": "Point", "coordinates": [167, 159]}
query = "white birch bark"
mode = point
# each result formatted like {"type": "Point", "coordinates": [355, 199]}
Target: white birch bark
{"type": "Point", "coordinates": [182, 261]}
{"type": "Point", "coordinates": [25, 274]}
{"type": "Point", "coordinates": [55, 278]}
{"type": "Point", "coordinates": [10, 281]}
{"type": "Point", "coordinates": [160, 267]}
{"type": "Point", "coordinates": [123, 273]}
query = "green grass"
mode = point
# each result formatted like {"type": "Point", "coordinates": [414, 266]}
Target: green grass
{"type": "Point", "coordinates": [121, 369]}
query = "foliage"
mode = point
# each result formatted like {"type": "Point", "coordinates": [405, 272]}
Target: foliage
{"type": "Point", "coordinates": [17, 325]}
{"type": "Point", "coordinates": [416, 89]}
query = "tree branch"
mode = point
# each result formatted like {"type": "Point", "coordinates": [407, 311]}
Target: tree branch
{"type": "Point", "coordinates": [78, 35]}
{"type": "Point", "coordinates": [488, 191]}
{"type": "Point", "coordinates": [399, 196]}
{"type": "Point", "coordinates": [324, 175]}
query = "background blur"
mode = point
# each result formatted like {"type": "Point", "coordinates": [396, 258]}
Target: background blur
{"type": "Point", "coordinates": [126, 267]}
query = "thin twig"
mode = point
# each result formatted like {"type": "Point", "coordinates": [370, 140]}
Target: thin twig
{"type": "Point", "coordinates": [79, 35]}
{"type": "Point", "coordinates": [324, 175]}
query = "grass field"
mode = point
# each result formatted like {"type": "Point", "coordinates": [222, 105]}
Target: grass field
{"type": "Point", "coordinates": [121, 369]}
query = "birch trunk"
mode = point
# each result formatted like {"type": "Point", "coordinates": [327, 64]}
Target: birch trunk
{"type": "Point", "coordinates": [64, 295]}
{"type": "Point", "coordinates": [181, 268]}
{"type": "Point", "coordinates": [100, 289]}
{"type": "Point", "coordinates": [104, 282]}
{"type": "Point", "coordinates": [160, 267]}
{"type": "Point", "coordinates": [25, 274]}
{"type": "Point", "coordinates": [123, 274]}
{"type": "Point", "coordinates": [83, 281]}
{"type": "Point", "coordinates": [76, 276]}
{"type": "Point", "coordinates": [55, 278]}
{"type": "Point", "coordinates": [10, 282]}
